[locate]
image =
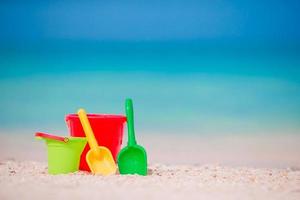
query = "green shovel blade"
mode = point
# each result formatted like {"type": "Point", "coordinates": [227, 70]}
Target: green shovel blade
{"type": "Point", "coordinates": [133, 158]}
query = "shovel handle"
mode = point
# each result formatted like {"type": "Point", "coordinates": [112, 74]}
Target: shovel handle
{"type": "Point", "coordinates": [87, 128]}
{"type": "Point", "coordinates": [52, 137]}
{"type": "Point", "coordinates": [130, 122]}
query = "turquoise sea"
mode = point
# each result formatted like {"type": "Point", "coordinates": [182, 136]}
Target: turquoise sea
{"type": "Point", "coordinates": [189, 87]}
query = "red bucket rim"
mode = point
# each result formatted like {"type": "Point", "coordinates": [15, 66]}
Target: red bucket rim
{"type": "Point", "coordinates": [101, 116]}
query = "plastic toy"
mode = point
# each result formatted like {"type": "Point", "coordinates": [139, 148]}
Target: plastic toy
{"type": "Point", "coordinates": [63, 152]}
{"type": "Point", "coordinates": [98, 158]}
{"type": "Point", "coordinates": [107, 129]}
{"type": "Point", "coordinates": [133, 158]}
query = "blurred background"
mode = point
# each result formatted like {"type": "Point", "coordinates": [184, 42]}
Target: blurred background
{"type": "Point", "coordinates": [191, 67]}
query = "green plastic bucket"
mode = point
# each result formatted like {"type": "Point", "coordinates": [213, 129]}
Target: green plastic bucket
{"type": "Point", "coordinates": [64, 156]}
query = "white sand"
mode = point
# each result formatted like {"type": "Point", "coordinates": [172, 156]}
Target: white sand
{"type": "Point", "coordinates": [29, 180]}
{"type": "Point", "coordinates": [270, 170]}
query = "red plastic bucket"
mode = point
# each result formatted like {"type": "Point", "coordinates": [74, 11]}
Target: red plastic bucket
{"type": "Point", "coordinates": [108, 131]}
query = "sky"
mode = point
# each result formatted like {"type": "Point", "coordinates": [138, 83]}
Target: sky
{"type": "Point", "coordinates": [275, 21]}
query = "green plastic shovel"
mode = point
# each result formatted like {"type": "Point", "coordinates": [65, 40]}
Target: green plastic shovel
{"type": "Point", "coordinates": [133, 158]}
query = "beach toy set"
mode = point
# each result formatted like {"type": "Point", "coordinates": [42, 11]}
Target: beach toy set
{"type": "Point", "coordinates": [94, 145]}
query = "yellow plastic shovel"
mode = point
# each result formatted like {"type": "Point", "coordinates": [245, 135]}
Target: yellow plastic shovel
{"type": "Point", "coordinates": [98, 158]}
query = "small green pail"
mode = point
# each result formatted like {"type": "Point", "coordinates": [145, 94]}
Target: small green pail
{"type": "Point", "coordinates": [64, 156]}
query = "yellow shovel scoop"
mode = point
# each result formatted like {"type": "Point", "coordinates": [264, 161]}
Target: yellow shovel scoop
{"type": "Point", "coordinates": [98, 158]}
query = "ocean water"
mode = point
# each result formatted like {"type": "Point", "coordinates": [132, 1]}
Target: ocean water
{"type": "Point", "coordinates": [177, 87]}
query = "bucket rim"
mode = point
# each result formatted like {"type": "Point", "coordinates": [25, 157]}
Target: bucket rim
{"type": "Point", "coordinates": [98, 116]}
{"type": "Point", "coordinates": [71, 138]}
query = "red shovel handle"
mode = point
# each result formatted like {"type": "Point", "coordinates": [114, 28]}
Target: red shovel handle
{"type": "Point", "coordinates": [53, 137]}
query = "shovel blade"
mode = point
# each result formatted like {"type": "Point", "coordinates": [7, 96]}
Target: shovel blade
{"type": "Point", "coordinates": [100, 161]}
{"type": "Point", "coordinates": [133, 160]}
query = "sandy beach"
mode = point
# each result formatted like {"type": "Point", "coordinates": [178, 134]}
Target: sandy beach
{"type": "Point", "coordinates": [29, 180]}
{"type": "Point", "coordinates": [218, 167]}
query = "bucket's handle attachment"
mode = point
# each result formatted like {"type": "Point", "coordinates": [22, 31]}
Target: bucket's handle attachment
{"type": "Point", "coordinates": [53, 137]}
